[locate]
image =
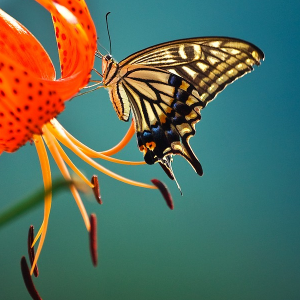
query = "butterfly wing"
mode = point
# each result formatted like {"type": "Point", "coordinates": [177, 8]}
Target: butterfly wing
{"type": "Point", "coordinates": [208, 63]}
{"type": "Point", "coordinates": [166, 109]}
{"type": "Point", "coordinates": [168, 84]}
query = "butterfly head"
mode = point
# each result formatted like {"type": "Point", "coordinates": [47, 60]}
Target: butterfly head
{"type": "Point", "coordinates": [109, 68]}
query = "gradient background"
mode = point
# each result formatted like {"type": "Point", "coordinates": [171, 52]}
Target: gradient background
{"type": "Point", "coordinates": [235, 232]}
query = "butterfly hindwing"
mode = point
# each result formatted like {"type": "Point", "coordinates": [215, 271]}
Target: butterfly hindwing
{"type": "Point", "coordinates": [166, 109]}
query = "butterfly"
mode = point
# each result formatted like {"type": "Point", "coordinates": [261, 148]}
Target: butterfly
{"type": "Point", "coordinates": [167, 85]}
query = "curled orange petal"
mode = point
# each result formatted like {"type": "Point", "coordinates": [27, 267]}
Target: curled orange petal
{"type": "Point", "coordinates": [29, 94]}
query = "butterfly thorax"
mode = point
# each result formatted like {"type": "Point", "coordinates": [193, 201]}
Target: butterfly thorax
{"type": "Point", "coordinates": [109, 70]}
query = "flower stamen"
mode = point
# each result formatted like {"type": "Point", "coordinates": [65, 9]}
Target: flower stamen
{"type": "Point", "coordinates": [48, 137]}
{"type": "Point", "coordinates": [130, 133]}
{"type": "Point", "coordinates": [104, 154]}
{"type": "Point", "coordinates": [71, 164]}
{"type": "Point", "coordinates": [93, 239]}
{"type": "Point", "coordinates": [38, 235]}
{"type": "Point", "coordinates": [62, 137]}
{"type": "Point", "coordinates": [46, 173]}
{"type": "Point", "coordinates": [28, 280]}
{"type": "Point", "coordinates": [164, 191]}
{"type": "Point", "coordinates": [31, 250]}
{"type": "Point", "coordinates": [96, 188]}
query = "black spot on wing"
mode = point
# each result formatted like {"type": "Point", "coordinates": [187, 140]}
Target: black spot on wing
{"type": "Point", "coordinates": [178, 120]}
{"type": "Point", "coordinates": [181, 95]}
{"type": "Point", "coordinates": [175, 80]}
{"type": "Point", "coordinates": [172, 135]}
{"type": "Point", "coordinates": [181, 108]}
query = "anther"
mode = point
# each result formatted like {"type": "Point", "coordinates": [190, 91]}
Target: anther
{"type": "Point", "coordinates": [93, 239]}
{"type": "Point", "coordinates": [31, 250]}
{"type": "Point", "coordinates": [164, 191]}
{"type": "Point", "coordinates": [28, 280]}
{"type": "Point", "coordinates": [96, 188]}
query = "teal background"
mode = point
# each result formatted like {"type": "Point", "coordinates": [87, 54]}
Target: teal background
{"type": "Point", "coordinates": [235, 232]}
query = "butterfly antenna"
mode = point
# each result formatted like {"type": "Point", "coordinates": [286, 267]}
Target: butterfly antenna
{"type": "Point", "coordinates": [108, 31]}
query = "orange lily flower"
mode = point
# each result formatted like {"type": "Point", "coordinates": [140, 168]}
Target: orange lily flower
{"type": "Point", "coordinates": [31, 97]}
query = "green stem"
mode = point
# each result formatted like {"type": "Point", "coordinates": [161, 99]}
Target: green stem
{"type": "Point", "coordinates": [30, 202]}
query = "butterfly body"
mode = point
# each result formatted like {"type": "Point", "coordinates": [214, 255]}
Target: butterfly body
{"type": "Point", "coordinates": [167, 85]}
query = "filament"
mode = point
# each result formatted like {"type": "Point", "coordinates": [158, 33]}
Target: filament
{"type": "Point", "coordinates": [60, 135]}
{"type": "Point", "coordinates": [63, 169]}
{"type": "Point", "coordinates": [46, 172]}
{"type": "Point", "coordinates": [70, 163]}
{"type": "Point", "coordinates": [103, 155]}
{"type": "Point", "coordinates": [123, 142]}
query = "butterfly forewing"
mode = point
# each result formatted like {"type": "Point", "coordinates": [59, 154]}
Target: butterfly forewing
{"type": "Point", "coordinates": [168, 84]}
{"type": "Point", "coordinates": [209, 63]}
